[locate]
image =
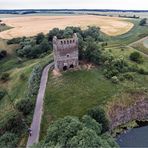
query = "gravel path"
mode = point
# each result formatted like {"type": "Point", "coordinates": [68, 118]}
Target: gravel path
{"type": "Point", "coordinates": [37, 117]}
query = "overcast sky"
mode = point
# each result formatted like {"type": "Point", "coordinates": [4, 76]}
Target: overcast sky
{"type": "Point", "coordinates": [77, 4]}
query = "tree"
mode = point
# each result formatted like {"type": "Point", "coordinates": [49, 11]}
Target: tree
{"type": "Point", "coordinates": [90, 123]}
{"type": "Point", "coordinates": [72, 132]}
{"type": "Point", "coordinates": [5, 77]}
{"type": "Point", "coordinates": [44, 46]}
{"type": "Point", "coordinates": [25, 106]}
{"type": "Point", "coordinates": [92, 31]}
{"type": "Point", "coordinates": [85, 138]}
{"type": "Point", "coordinates": [136, 57]}
{"type": "Point", "coordinates": [12, 123]}
{"type": "Point", "coordinates": [109, 139]}
{"type": "Point", "coordinates": [39, 38]}
{"type": "Point", "coordinates": [143, 22]}
{"type": "Point", "coordinates": [8, 140]}
{"type": "Point", "coordinates": [99, 115]}
{"type": "Point", "coordinates": [62, 130]}
{"type": "Point", "coordinates": [55, 32]}
{"type": "Point", "coordinates": [68, 32]}
{"type": "Point", "coordinates": [2, 94]}
{"type": "Point", "coordinates": [3, 54]}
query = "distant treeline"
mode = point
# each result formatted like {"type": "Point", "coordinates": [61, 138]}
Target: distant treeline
{"type": "Point", "coordinates": [27, 11]}
{"type": "Point", "coordinates": [128, 16]}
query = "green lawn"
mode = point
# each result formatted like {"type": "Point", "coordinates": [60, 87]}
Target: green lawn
{"type": "Point", "coordinates": [74, 93]}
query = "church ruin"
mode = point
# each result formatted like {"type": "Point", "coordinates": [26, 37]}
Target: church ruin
{"type": "Point", "coordinates": [65, 52]}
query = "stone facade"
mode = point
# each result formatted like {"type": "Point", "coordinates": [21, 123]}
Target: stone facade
{"type": "Point", "coordinates": [65, 53]}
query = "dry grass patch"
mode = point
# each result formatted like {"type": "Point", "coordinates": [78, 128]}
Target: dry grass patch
{"type": "Point", "coordinates": [31, 25]}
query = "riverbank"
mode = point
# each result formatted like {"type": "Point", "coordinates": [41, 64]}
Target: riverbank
{"type": "Point", "coordinates": [132, 108]}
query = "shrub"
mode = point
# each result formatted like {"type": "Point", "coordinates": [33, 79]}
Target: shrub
{"type": "Point", "coordinates": [2, 94]}
{"type": "Point", "coordinates": [5, 77]}
{"type": "Point", "coordinates": [25, 106]}
{"type": "Point", "coordinates": [91, 124]}
{"type": "Point", "coordinates": [34, 80]}
{"type": "Point", "coordinates": [121, 78]}
{"type": "Point", "coordinates": [3, 54]}
{"type": "Point", "coordinates": [113, 67]}
{"type": "Point", "coordinates": [30, 49]}
{"type": "Point", "coordinates": [9, 140]}
{"type": "Point", "coordinates": [23, 77]}
{"type": "Point", "coordinates": [136, 57]}
{"type": "Point", "coordinates": [142, 71]}
{"type": "Point", "coordinates": [143, 22]}
{"type": "Point", "coordinates": [11, 123]}
{"type": "Point", "coordinates": [14, 41]}
{"type": "Point", "coordinates": [128, 76]}
{"type": "Point", "coordinates": [39, 38]}
{"type": "Point", "coordinates": [62, 130]}
{"type": "Point", "coordinates": [104, 44]}
{"type": "Point", "coordinates": [114, 79]}
{"type": "Point", "coordinates": [99, 115]}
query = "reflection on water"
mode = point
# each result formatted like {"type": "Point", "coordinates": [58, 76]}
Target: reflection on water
{"type": "Point", "coordinates": [137, 137]}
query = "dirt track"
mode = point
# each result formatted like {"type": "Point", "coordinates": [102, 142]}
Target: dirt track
{"type": "Point", "coordinates": [31, 25]}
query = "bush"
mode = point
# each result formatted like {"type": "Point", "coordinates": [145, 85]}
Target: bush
{"type": "Point", "coordinates": [128, 76]}
{"type": "Point", "coordinates": [136, 57]}
{"type": "Point", "coordinates": [34, 80]}
{"type": "Point", "coordinates": [5, 77]}
{"type": "Point", "coordinates": [91, 124]}
{"type": "Point", "coordinates": [2, 94]}
{"type": "Point", "coordinates": [25, 106]}
{"type": "Point", "coordinates": [3, 54]}
{"type": "Point", "coordinates": [30, 49]}
{"type": "Point", "coordinates": [143, 22]}
{"type": "Point", "coordinates": [113, 67]}
{"type": "Point", "coordinates": [12, 123]}
{"type": "Point", "coordinates": [39, 38]}
{"type": "Point", "coordinates": [14, 41]}
{"type": "Point", "coordinates": [115, 80]}
{"type": "Point", "coordinates": [62, 130]}
{"type": "Point", "coordinates": [23, 77]}
{"type": "Point", "coordinates": [9, 140]}
{"type": "Point", "coordinates": [142, 71]}
{"type": "Point", "coordinates": [121, 78]}
{"type": "Point", "coordinates": [99, 115]}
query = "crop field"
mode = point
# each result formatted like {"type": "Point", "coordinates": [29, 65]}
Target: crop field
{"type": "Point", "coordinates": [31, 25]}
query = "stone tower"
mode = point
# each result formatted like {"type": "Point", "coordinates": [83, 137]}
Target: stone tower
{"type": "Point", "coordinates": [65, 53]}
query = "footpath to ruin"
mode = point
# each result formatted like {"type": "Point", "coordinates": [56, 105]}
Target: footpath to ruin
{"type": "Point", "coordinates": [38, 111]}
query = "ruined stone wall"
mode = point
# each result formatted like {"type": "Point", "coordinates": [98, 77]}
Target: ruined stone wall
{"type": "Point", "coordinates": [121, 115]}
{"type": "Point", "coordinates": [65, 52]}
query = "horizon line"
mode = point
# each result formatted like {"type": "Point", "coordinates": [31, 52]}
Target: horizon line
{"type": "Point", "coordinates": [70, 9]}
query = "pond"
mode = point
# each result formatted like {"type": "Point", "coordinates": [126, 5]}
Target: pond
{"type": "Point", "coordinates": [136, 137]}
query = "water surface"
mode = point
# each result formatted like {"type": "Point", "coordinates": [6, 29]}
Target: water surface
{"type": "Point", "coordinates": [137, 137]}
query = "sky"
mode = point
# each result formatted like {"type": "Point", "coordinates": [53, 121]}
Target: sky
{"type": "Point", "coordinates": [75, 4]}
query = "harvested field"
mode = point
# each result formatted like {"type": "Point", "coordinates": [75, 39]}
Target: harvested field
{"type": "Point", "coordinates": [31, 25]}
